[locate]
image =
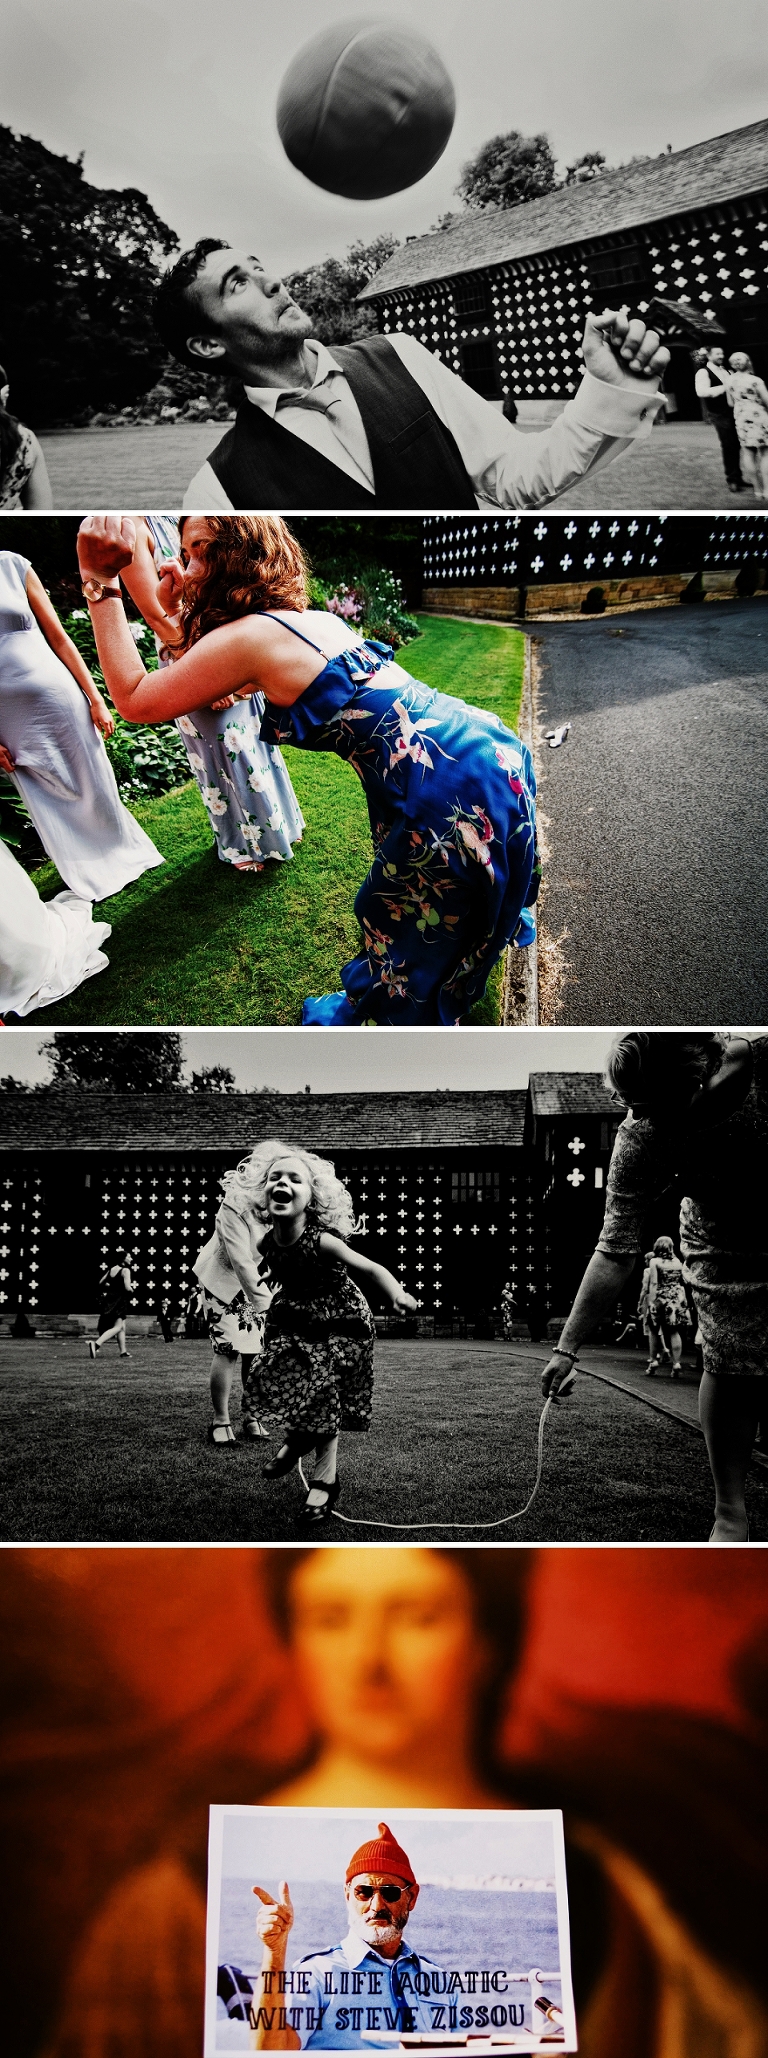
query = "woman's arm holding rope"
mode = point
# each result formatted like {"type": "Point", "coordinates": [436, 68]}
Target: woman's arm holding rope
{"type": "Point", "coordinates": [600, 1289]}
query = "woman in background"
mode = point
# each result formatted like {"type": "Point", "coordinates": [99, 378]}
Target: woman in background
{"type": "Point", "coordinates": [53, 720]}
{"type": "Point", "coordinates": [667, 1303]}
{"type": "Point", "coordinates": [749, 399]}
{"type": "Point", "coordinates": [243, 783]}
{"type": "Point", "coordinates": [24, 480]}
{"type": "Point", "coordinates": [116, 1289]}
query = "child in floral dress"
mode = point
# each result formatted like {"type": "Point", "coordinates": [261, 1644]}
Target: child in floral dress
{"type": "Point", "coordinates": [316, 1369]}
{"type": "Point", "coordinates": [235, 1294]}
{"type": "Point", "coordinates": [243, 783]}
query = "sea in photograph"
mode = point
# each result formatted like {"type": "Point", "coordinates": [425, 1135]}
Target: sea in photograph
{"type": "Point", "coordinates": [455, 1927]}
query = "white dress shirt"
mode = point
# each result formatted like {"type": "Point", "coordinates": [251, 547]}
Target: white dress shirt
{"type": "Point", "coordinates": [507, 468]}
{"type": "Point", "coordinates": [706, 385]}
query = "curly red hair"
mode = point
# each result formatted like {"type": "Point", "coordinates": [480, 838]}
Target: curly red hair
{"type": "Point", "coordinates": [251, 562]}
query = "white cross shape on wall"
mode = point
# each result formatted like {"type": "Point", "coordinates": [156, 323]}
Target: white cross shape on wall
{"type": "Point", "coordinates": [575, 1178]}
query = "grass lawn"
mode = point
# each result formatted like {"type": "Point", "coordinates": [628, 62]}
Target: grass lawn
{"type": "Point", "coordinates": [118, 1453]}
{"type": "Point", "coordinates": [198, 942]}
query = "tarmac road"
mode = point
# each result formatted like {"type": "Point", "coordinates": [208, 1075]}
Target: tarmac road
{"type": "Point", "coordinates": [657, 811]}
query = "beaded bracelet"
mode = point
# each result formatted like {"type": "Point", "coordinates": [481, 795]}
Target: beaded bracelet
{"type": "Point", "coordinates": [573, 1355]}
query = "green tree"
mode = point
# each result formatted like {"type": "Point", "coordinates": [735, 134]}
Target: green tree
{"type": "Point", "coordinates": [79, 265]}
{"type": "Point", "coordinates": [213, 1079]}
{"type": "Point", "coordinates": [329, 291]}
{"type": "Point", "coordinates": [507, 171]}
{"type": "Point", "coordinates": [117, 1062]}
{"type": "Point", "coordinates": [585, 168]}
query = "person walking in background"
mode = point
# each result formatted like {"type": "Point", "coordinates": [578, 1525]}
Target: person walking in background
{"type": "Point", "coordinates": [713, 388]}
{"type": "Point", "coordinates": [116, 1289]}
{"type": "Point", "coordinates": [750, 412]}
{"type": "Point", "coordinates": [24, 481]}
{"type": "Point", "coordinates": [53, 721]}
{"type": "Point", "coordinates": [667, 1304]}
{"type": "Point", "coordinates": [509, 1313]}
{"type": "Point", "coordinates": [165, 1320]}
{"type": "Point", "coordinates": [243, 783]}
{"type": "Point", "coordinates": [643, 1315]}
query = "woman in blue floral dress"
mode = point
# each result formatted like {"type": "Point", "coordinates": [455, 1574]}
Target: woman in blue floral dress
{"type": "Point", "coordinates": [450, 790]}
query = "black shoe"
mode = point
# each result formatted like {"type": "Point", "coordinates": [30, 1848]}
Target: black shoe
{"type": "Point", "coordinates": [222, 1435]}
{"type": "Point", "coordinates": [332, 1491]}
{"type": "Point", "coordinates": [293, 1449]}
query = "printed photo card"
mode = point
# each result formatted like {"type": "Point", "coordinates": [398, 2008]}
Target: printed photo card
{"type": "Point", "coordinates": [348, 1929]}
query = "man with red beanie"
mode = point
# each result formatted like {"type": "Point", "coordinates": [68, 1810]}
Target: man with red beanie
{"type": "Point", "coordinates": [372, 1982]}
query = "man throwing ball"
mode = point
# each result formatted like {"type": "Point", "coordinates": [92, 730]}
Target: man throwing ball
{"type": "Point", "coordinates": [382, 423]}
{"type": "Point", "coordinates": [372, 1982]}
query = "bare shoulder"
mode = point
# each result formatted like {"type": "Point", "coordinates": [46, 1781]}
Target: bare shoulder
{"type": "Point", "coordinates": [332, 1246]}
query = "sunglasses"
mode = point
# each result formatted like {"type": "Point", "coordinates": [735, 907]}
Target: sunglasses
{"type": "Point", "coordinates": [388, 1893]}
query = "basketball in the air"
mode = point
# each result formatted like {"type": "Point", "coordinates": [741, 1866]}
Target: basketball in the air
{"type": "Point", "coordinates": [365, 109]}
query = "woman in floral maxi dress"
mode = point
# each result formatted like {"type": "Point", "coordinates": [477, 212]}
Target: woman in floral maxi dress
{"type": "Point", "coordinates": [667, 1302]}
{"type": "Point", "coordinates": [316, 1369]}
{"type": "Point", "coordinates": [450, 790]}
{"type": "Point", "coordinates": [749, 400]}
{"type": "Point", "coordinates": [243, 783]}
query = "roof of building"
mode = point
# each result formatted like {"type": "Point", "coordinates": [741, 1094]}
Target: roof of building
{"type": "Point", "coordinates": [705, 175]}
{"type": "Point", "coordinates": [571, 1093]}
{"type": "Point", "coordinates": [236, 1122]}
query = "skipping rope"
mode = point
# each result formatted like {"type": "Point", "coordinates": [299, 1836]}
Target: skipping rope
{"type": "Point", "coordinates": [365, 1521]}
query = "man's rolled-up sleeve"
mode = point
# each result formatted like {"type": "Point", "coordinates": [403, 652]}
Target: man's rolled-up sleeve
{"type": "Point", "coordinates": [511, 469]}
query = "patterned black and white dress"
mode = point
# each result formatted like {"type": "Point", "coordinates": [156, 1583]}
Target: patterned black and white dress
{"type": "Point", "coordinates": [316, 1370]}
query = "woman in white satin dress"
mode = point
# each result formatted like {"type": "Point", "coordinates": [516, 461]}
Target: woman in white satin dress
{"type": "Point", "coordinates": [47, 947]}
{"type": "Point", "coordinates": [51, 714]}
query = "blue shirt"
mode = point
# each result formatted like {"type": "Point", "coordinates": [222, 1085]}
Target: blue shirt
{"type": "Point", "coordinates": [331, 1997]}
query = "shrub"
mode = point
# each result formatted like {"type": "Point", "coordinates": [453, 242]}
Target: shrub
{"type": "Point", "coordinates": [146, 760]}
{"type": "Point", "coordinates": [371, 602]}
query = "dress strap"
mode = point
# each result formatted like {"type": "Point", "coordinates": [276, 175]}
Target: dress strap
{"type": "Point", "coordinates": [293, 632]}
{"type": "Point", "coordinates": [357, 658]}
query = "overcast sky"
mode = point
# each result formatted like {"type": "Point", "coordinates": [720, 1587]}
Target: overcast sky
{"type": "Point", "coordinates": [180, 102]}
{"type": "Point", "coordinates": [309, 1843]}
{"type": "Point", "coordinates": [368, 1060]}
